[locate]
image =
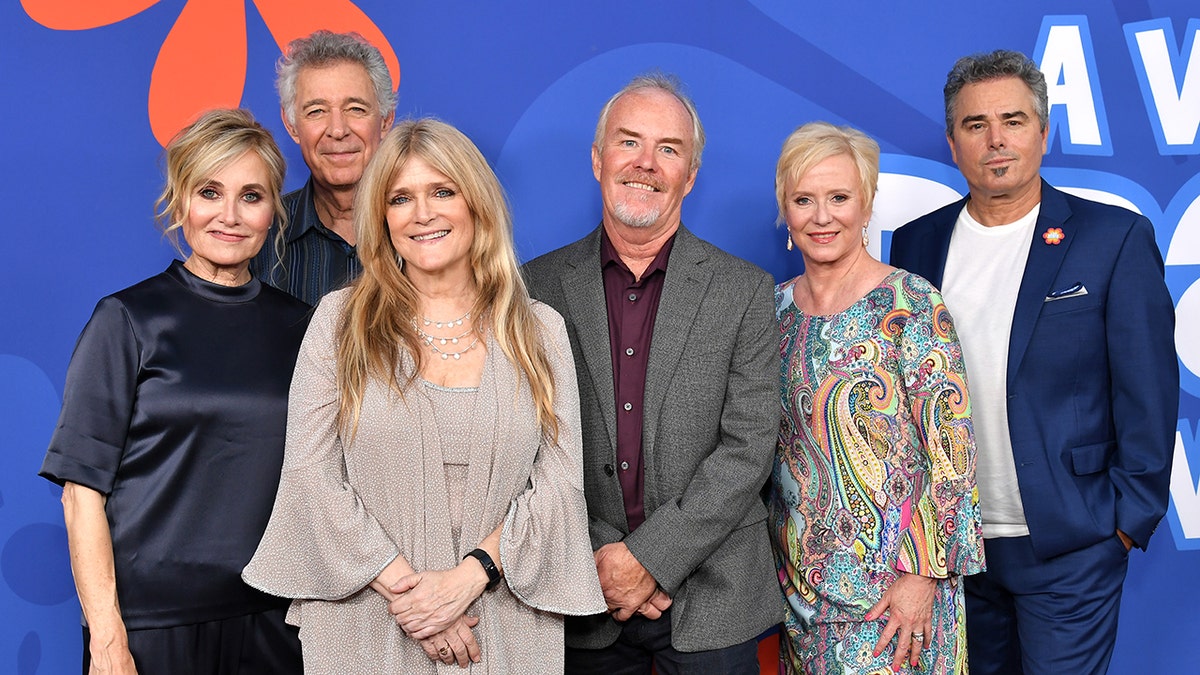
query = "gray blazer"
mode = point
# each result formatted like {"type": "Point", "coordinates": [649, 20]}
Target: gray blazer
{"type": "Point", "coordinates": [711, 419]}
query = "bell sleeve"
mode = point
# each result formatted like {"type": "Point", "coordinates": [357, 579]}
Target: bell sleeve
{"type": "Point", "coordinates": [945, 533]}
{"type": "Point", "coordinates": [320, 543]}
{"type": "Point", "coordinates": [544, 545]}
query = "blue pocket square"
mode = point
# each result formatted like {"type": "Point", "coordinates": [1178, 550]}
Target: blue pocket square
{"type": "Point", "coordinates": [1073, 291]}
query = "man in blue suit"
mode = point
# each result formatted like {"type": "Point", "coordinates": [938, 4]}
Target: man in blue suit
{"type": "Point", "coordinates": [1068, 335]}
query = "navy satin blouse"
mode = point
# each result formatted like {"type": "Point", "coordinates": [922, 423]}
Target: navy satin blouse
{"type": "Point", "coordinates": [174, 407]}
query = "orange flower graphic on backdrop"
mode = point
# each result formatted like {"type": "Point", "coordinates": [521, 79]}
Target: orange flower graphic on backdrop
{"type": "Point", "coordinates": [202, 63]}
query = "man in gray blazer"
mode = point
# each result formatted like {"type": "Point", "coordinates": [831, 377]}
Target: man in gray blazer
{"type": "Point", "coordinates": [677, 356]}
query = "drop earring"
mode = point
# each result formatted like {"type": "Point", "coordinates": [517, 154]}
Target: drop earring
{"type": "Point", "coordinates": [789, 241]}
{"type": "Point", "coordinates": [866, 238]}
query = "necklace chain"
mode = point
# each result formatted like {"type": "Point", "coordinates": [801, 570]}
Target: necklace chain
{"type": "Point", "coordinates": [445, 324]}
{"type": "Point", "coordinates": [433, 341]}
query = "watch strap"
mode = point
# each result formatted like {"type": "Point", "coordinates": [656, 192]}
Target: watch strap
{"type": "Point", "coordinates": [493, 574]}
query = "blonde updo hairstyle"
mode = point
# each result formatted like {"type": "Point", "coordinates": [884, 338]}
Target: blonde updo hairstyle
{"type": "Point", "coordinates": [203, 148]}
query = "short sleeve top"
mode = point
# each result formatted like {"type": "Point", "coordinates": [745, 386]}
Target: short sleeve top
{"type": "Point", "coordinates": [174, 408]}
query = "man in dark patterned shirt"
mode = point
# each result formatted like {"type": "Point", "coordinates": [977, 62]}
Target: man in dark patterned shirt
{"type": "Point", "coordinates": [337, 102]}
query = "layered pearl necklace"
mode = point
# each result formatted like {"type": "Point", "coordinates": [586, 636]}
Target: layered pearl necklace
{"type": "Point", "coordinates": [437, 343]}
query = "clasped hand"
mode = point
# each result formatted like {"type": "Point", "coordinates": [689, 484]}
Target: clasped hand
{"type": "Point", "coordinates": [427, 603]}
{"type": "Point", "coordinates": [628, 587]}
{"type": "Point", "coordinates": [456, 644]}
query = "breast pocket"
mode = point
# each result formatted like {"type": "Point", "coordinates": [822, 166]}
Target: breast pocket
{"type": "Point", "coordinates": [1079, 303]}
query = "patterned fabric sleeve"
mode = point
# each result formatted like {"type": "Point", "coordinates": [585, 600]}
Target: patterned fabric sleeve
{"type": "Point", "coordinates": [945, 533]}
{"type": "Point", "coordinates": [321, 543]}
{"type": "Point", "coordinates": [544, 545]}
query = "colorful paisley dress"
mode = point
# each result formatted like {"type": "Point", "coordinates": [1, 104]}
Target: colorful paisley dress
{"type": "Point", "coordinates": [874, 475]}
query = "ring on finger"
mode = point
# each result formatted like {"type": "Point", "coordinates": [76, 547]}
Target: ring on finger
{"type": "Point", "coordinates": [444, 650]}
{"type": "Point", "coordinates": [919, 636]}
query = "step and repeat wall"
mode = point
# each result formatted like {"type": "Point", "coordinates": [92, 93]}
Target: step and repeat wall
{"type": "Point", "coordinates": [93, 88]}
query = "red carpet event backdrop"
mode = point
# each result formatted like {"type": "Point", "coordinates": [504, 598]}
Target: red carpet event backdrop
{"type": "Point", "coordinates": [95, 87]}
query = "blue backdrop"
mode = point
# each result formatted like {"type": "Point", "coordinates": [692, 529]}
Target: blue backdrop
{"type": "Point", "coordinates": [87, 104]}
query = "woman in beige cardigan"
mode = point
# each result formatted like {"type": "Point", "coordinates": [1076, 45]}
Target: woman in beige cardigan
{"type": "Point", "coordinates": [431, 508]}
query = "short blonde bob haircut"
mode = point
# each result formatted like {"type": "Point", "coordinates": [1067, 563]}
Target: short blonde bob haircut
{"type": "Point", "coordinates": [815, 142]}
{"type": "Point", "coordinates": [204, 147]}
{"type": "Point", "coordinates": [378, 320]}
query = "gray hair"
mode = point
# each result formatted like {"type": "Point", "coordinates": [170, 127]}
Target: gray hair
{"type": "Point", "coordinates": [991, 66]}
{"type": "Point", "coordinates": [324, 48]}
{"type": "Point", "coordinates": [666, 83]}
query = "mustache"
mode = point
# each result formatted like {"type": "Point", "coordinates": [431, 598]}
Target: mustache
{"type": "Point", "coordinates": [639, 177]}
{"type": "Point", "coordinates": [999, 154]}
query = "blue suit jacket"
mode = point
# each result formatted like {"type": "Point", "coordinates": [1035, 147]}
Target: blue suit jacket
{"type": "Point", "coordinates": [1093, 381]}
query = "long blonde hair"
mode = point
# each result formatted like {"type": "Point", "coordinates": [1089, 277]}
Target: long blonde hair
{"type": "Point", "coordinates": [377, 323]}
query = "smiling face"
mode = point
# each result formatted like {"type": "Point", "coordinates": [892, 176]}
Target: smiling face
{"type": "Point", "coordinates": [997, 140]}
{"type": "Point", "coordinates": [826, 212]}
{"type": "Point", "coordinates": [337, 122]}
{"type": "Point", "coordinates": [644, 162]}
{"type": "Point", "coordinates": [227, 220]}
{"type": "Point", "coordinates": [430, 224]}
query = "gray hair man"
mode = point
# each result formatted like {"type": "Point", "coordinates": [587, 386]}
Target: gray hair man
{"type": "Point", "coordinates": [337, 102]}
{"type": "Point", "coordinates": [1067, 331]}
{"type": "Point", "coordinates": [677, 357]}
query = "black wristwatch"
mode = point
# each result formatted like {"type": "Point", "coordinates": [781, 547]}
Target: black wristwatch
{"type": "Point", "coordinates": [484, 559]}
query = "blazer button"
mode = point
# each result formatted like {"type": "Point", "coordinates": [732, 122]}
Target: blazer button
{"type": "Point", "coordinates": [608, 469]}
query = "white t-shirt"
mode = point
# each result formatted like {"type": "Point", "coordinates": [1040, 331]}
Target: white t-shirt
{"type": "Point", "coordinates": [983, 274]}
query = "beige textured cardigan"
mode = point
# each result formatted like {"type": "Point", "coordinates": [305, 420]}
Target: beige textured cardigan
{"type": "Point", "coordinates": [343, 512]}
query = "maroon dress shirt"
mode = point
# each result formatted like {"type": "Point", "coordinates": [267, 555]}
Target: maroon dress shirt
{"type": "Point", "coordinates": [632, 307]}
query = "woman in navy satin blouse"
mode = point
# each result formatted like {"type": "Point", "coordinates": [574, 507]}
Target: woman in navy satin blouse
{"type": "Point", "coordinates": [170, 440]}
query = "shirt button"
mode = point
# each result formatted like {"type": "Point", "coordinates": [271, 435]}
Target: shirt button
{"type": "Point", "coordinates": [629, 351]}
{"type": "Point", "coordinates": [633, 297]}
{"type": "Point", "coordinates": [628, 407]}
{"type": "Point", "coordinates": [624, 466]}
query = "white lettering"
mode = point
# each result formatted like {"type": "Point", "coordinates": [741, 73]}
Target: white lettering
{"type": "Point", "coordinates": [1185, 493]}
{"type": "Point", "coordinates": [1185, 242]}
{"type": "Point", "coordinates": [1187, 327]}
{"type": "Point", "coordinates": [1068, 83]}
{"type": "Point", "coordinates": [1178, 110]}
{"type": "Point", "coordinates": [900, 198]}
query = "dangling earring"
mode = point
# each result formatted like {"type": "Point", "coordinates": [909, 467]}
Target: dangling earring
{"type": "Point", "coordinates": [866, 239]}
{"type": "Point", "coordinates": [789, 241]}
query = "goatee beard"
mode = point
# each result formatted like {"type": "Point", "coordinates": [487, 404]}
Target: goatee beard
{"type": "Point", "coordinates": [637, 220]}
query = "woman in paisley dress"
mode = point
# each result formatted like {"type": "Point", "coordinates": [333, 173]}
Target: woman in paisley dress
{"type": "Point", "coordinates": [874, 510]}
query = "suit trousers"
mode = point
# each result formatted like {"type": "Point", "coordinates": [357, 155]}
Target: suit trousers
{"type": "Point", "coordinates": [1031, 616]}
{"type": "Point", "coordinates": [644, 643]}
{"type": "Point", "coordinates": [254, 644]}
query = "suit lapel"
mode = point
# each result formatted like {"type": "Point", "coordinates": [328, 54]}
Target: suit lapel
{"type": "Point", "coordinates": [934, 250]}
{"type": "Point", "coordinates": [583, 288]}
{"type": "Point", "coordinates": [1041, 268]}
{"type": "Point", "coordinates": [683, 290]}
